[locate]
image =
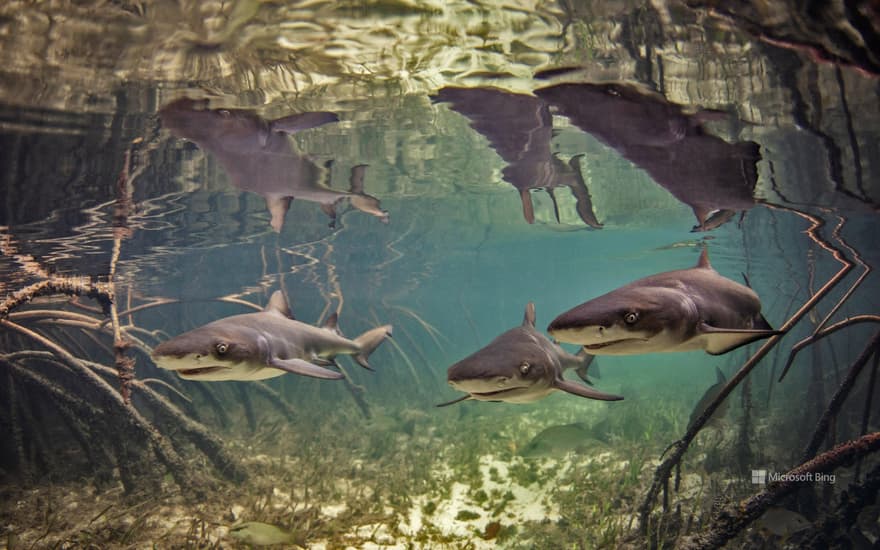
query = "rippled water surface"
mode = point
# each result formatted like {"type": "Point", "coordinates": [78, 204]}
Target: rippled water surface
{"type": "Point", "coordinates": [435, 166]}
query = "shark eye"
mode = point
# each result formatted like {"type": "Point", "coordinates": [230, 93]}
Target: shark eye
{"type": "Point", "coordinates": [525, 368]}
{"type": "Point", "coordinates": [630, 318]}
{"type": "Point", "coordinates": [222, 348]}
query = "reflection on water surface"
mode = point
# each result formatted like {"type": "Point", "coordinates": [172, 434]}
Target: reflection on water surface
{"type": "Point", "coordinates": [436, 166]}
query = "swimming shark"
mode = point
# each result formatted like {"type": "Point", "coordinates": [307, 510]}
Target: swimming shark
{"type": "Point", "coordinates": [683, 310]}
{"type": "Point", "coordinates": [521, 366]}
{"type": "Point", "coordinates": [259, 157]}
{"type": "Point", "coordinates": [256, 346]}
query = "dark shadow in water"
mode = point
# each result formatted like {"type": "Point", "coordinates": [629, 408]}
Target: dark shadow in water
{"type": "Point", "coordinates": [259, 157]}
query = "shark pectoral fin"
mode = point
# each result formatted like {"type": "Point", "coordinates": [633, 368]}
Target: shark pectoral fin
{"type": "Point", "coordinates": [585, 391]}
{"type": "Point", "coordinates": [719, 341]}
{"type": "Point", "coordinates": [299, 366]}
{"type": "Point", "coordinates": [454, 401]}
{"type": "Point", "coordinates": [302, 121]}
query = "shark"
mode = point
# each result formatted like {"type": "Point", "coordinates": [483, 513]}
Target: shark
{"type": "Point", "coordinates": [259, 156]}
{"type": "Point", "coordinates": [682, 310]}
{"type": "Point", "coordinates": [265, 344]}
{"type": "Point", "coordinates": [521, 366]}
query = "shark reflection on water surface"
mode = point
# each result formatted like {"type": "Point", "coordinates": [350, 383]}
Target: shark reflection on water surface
{"type": "Point", "coordinates": [259, 156]}
{"type": "Point", "coordinates": [256, 346]}
{"type": "Point", "coordinates": [519, 127]}
{"type": "Point", "coordinates": [520, 366]}
{"type": "Point", "coordinates": [715, 178]}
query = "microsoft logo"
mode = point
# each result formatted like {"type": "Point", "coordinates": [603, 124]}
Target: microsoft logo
{"type": "Point", "coordinates": [759, 477]}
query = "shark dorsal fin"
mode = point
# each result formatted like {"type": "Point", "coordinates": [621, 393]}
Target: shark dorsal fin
{"type": "Point", "coordinates": [332, 322]}
{"type": "Point", "coordinates": [278, 304]}
{"type": "Point", "coordinates": [529, 317]}
{"type": "Point", "coordinates": [719, 376]}
{"type": "Point", "coordinates": [704, 259]}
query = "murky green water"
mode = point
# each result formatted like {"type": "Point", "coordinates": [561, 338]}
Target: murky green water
{"type": "Point", "coordinates": [460, 160]}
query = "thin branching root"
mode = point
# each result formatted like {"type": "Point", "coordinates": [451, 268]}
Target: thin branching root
{"type": "Point", "coordinates": [666, 526]}
{"type": "Point", "coordinates": [70, 388]}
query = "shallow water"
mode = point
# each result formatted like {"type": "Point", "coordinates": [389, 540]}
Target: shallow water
{"type": "Point", "coordinates": [479, 156]}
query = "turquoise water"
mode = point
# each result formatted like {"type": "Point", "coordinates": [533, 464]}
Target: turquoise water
{"type": "Point", "coordinates": [664, 127]}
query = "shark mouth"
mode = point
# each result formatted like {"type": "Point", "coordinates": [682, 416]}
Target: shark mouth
{"type": "Point", "coordinates": [613, 342]}
{"type": "Point", "coordinates": [499, 392]}
{"type": "Point", "coordinates": [199, 371]}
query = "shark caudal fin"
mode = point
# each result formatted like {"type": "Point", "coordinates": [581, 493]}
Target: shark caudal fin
{"type": "Point", "coordinates": [368, 342]}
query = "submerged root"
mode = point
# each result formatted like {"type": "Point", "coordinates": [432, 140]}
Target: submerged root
{"type": "Point", "coordinates": [731, 522]}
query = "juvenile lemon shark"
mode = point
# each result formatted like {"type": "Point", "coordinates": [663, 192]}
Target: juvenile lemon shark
{"type": "Point", "coordinates": [256, 346]}
{"type": "Point", "coordinates": [521, 366]}
{"type": "Point", "coordinates": [683, 310]}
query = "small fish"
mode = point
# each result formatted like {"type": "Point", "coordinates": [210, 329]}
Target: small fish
{"type": "Point", "coordinates": [491, 530]}
{"type": "Point", "coordinates": [707, 398]}
{"type": "Point", "coordinates": [781, 522]}
{"type": "Point", "coordinates": [261, 534]}
{"type": "Point", "coordinates": [557, 441]}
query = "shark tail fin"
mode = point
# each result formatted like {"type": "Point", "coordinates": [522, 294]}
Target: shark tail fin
{"type": "Point", "coordinates": [586, 361]}
{"type": "Point", "coordinates": [368, 342]}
